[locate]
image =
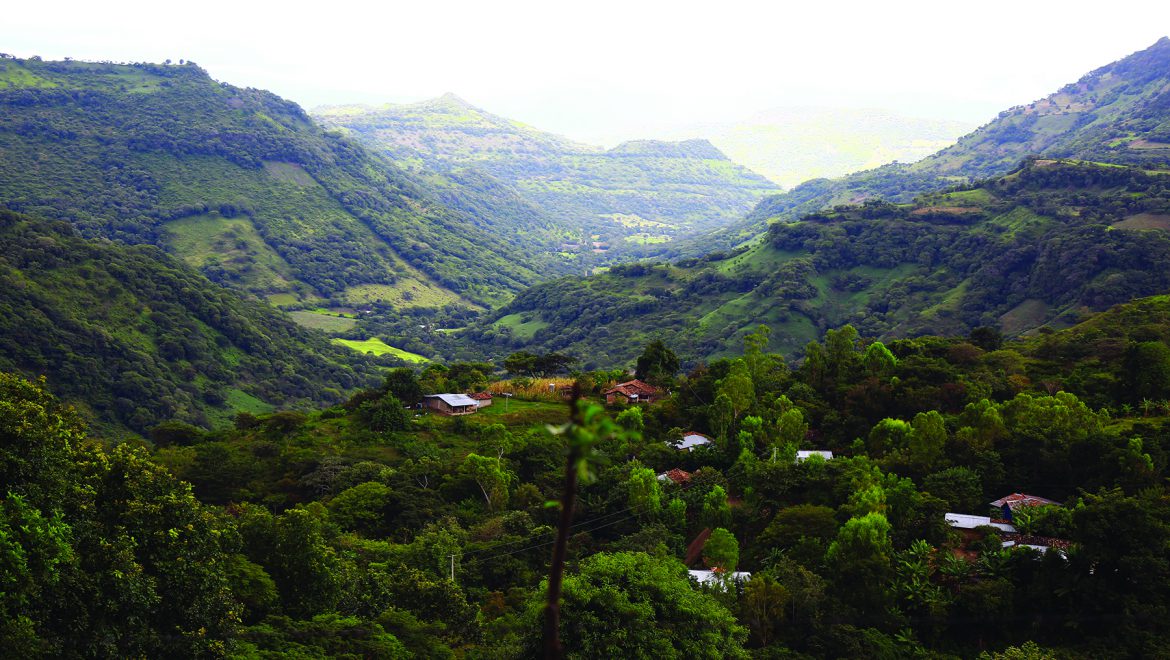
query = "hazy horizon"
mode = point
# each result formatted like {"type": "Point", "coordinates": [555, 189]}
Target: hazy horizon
{"type": "Point", "coordinates": [607, 72]}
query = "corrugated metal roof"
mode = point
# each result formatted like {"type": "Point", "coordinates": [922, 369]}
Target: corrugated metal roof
{"type": "Point", "coordinates": [694, 440]}
{"type": "Point", "coordinates": [805, 453]}
{"type": "Point", "coordinates": [968, 521]}
{"type": "Point", "coordinates": [454, 399]}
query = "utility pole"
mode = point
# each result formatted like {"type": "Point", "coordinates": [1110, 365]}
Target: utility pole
{"type": "Point", "coordinates": [552, 609]}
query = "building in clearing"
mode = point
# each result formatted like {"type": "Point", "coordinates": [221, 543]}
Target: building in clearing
{"type": "Point", "coordinates": [451, 404]}
{"type": "Point", "coordinates": [482, 399]}
{"type": "Point", "coordinates": [632, 391]}
{"type": "Point", "coordinates": [690, 441]}
{"type": "Point", "coordinates": [803, 454]}
{"type": "Point", "coordinates": [1006, 505]}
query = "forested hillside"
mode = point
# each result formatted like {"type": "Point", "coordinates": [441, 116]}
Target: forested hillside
{"type": "Point", "coordinates": [135, 337]}
{"type": "Point", "coordinates": [638, 193]}
{"type": "Point", "coordinates": [1119, 113]}
{"type": "Point", "coordinates": [243, 185]}
{"type": "Point", "coordinates": [365, 530]}
{"type": "Point", "coordinates": [1041, 246]}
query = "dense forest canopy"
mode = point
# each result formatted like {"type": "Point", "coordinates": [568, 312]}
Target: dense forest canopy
{"type": "Point", "coordinates": [367, 530]}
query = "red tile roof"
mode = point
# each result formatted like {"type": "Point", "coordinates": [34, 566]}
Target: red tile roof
{"type": "Point", "coordinates": [481, 396]}
{"type": "Point", "coordinates": [678, 476]}
{"type": "Point", "coordinates": [634, 388]}
{"type": "Point", "coordinates": [1021, 499]}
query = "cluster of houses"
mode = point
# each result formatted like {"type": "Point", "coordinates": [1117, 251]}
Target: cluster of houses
{"type": "Point", "coordinates": [629, 392]}
{"type": "Point", "coordinates": [975, 527]}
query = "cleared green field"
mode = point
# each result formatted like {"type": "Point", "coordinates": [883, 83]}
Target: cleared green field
{"type": "Point", "coordinates": [521, 329]}
{"type": "Point", "coordinates": [323, 322]}
{"type": "Point", "coordinates": [232, 246]}
{"type": "Point", "coordinates": [406, 292]}
{"type": "Point", "coordinates": [647, 239]}
{"type": "Point", "coordinates": [379, 347]}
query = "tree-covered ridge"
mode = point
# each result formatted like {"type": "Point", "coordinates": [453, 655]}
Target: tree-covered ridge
{"type": "Point", "coordinates": [638, 193]}
{"type": "Point", "coordinates": [1041, 246]}
{"type": "Point", "coordinates": [137, 337]}
{"type": "Point", "coordinates": [168, 156]}
{"type": "Point", "coordinates": [365, 530]}
{"type": "Point", "coordinates": [1119, 113]}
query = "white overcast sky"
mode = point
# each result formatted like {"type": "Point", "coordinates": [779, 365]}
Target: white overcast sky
{"type": "Point", "coordinates": [602, 70]}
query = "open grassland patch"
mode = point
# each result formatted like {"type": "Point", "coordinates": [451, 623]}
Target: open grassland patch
{"type": "Point", "coordinates": [1145, 221]}
{"type": "Point", "coordinates": [406, 292]}
{"type": "Point", "coordinates": [523, 324]}
{"type": "Point", "coordinates": [325, 322]}
{"type": "Point", "coordinates": [289, 173]}
{"type": "Point", "coordinates": [1025, 316]}
{"type": "Point", "coordinates": [231, 250]}
{"type": "Point", "coordinates": [379, 347]}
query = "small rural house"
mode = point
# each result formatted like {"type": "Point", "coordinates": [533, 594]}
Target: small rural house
{"type": "Point", "coordinates": [804, 454]}
{"type": "Point", "coordinates": [676, 475]}
{"type": "Point", "coordinates": [690, 441]}
{"type": "Point", "coordinates": [482, 399]}
{"type": "Point", "coordinates": [451, 404]}
{"type": "Point", "coordinates": [632, 391]}
{"type": "Point", "coordinates": [1006, 505]}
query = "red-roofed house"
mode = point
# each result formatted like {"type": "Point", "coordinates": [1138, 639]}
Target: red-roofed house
{"type": "Point", "coordinates": [632, 391]}
{"type": "Point", "coordinates": [1006, 505]}
{"type": "Point", "coordinates": [482, 399]}
{"type": "Point", "coordinates": [676, 475]}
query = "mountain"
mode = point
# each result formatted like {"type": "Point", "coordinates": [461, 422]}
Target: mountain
{"type": "Point", "coordinates": [639, 193]}
{"type": "Point", "coordinates": [1119, 113]}
{"type": "Point", "coordinates": [136, 337]}
{"type": "Point", "coordinates": [792, 145]}
{"type": "Point", "coordinates": [243, 185]}
{"type": "Point", "coordinates": [1041, 246]}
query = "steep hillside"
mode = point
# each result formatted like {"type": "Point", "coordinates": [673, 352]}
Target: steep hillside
{"type": "Point", "coordinates": [1040, 246]}
{"type": "Point", "coordinates": [793, 145]}
{"type": "Point", "coordinates": [639, 193]}
{"type": "Point", "coordinates": [243, 185]}
{"type": "Point", "coordinates": [136, 337]}
{"type": "Point", "coordinates": [1119, 113]}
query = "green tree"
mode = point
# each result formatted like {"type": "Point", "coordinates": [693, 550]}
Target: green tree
{"type": "Point", "coordinates": [657, 364]}
{"type": "Point", "coordinates": [632, 605]}
{"type": "Point", "coordinates": [861, 556]}
{"type": "Point", "coordinates": [738, 388]}
{"type": "Point", "coordinates": [491, 477]}
{"type": "Point", "coordinates": [716, 511]}
{"type": "Point", "coordinates": [645, 493]}
{"type": "Point", "coordinates": [721, 550]}
{"type": "Point", "coordinates": [763, 607]}
{"type": "Point", "coordinates": [878, 360]}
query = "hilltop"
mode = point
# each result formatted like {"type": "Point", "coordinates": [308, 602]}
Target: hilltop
{"type": "Point", "coordinates": [243, 185]}
{"type": "Point", "coordinates": [1118, 113]}
{"type": "Point", "coordinates": [1041, 246]}
{"type": "Point", "coordinates": [643, 192]}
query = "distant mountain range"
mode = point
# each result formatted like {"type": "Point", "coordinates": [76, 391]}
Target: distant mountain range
{"type": "Point", "coordinates": [1119, 113]}
{"type": "Point", "coordinates": [794, 144]}
{"type": "Point", "coordinates": [638, 193]}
